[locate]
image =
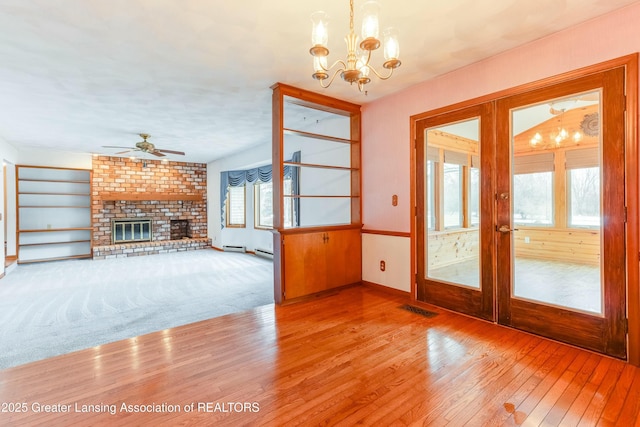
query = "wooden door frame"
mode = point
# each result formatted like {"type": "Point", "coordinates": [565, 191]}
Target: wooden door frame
{"type": "Point", "coordinates": [632, 188]}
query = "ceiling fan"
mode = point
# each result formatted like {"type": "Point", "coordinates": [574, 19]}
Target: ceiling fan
{"type": "Point", "coordinates": [145, 147]}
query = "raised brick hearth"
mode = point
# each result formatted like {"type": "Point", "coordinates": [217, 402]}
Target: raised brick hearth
{"type": "Point", "coordinates": [149, 248]}
{"type": "Point", "coordinates": [165, 192]}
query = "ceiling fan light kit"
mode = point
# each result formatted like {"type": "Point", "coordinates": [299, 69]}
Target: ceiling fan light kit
{"type": "Point", "coordinates": [145, 146]}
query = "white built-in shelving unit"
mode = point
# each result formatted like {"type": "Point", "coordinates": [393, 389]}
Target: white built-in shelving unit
{"type": "Point", "coordinates": [54, 213]}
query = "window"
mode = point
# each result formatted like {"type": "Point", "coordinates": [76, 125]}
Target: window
{"type": "Point", "coordinates": [474, 197]}
{"type": "Point", "coordinates": [533, 198]}
{"type": "Point", "coordinates": [263, 204]}
{"type": "Point", "coordinates": [583, 187]}
{"type": "Point", "coordinates": [431, 188]}
{"type": "Point", "coordinates": [236, 207]}
{"type": "Point", "coordinates": [288, 203]}
{"type": "Point", "coordinates": [584, 197]}
{"type": "Point", "coordinates": [452, 195]}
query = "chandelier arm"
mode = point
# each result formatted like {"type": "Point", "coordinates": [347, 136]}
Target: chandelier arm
{"type": "Point", "coordinates": [369, 60]}
{"type": "Point", "coordinates": [339, 61]}
{"type": "Point", "coordinates": [332, 77]}
{"type": "Point", "coordinates": [378, 74]}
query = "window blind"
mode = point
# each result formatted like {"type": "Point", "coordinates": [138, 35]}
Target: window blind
{"type": "Point", "coordinates": [533, 163]}
{"type": "Point", "coordinates": [582, 158]}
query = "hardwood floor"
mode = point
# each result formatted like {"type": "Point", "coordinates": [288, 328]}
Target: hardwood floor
{"type": "Point", "coordinates": [353, 357]}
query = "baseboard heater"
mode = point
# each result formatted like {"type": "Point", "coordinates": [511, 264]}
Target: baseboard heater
{"type": "Point", "coordinates": [264, 253]}
{"type": "Point", "coordinates": [229, 248]}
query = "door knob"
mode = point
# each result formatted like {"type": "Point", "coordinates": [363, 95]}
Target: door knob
{"type": "Point", "coordinates": [506, 229]}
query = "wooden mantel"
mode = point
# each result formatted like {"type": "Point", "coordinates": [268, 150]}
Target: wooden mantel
{"type": "Point", "coordinates": [138, 196]}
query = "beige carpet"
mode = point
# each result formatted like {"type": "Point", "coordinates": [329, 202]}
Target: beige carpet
{"type": "Point", "coordinates": [54, 308]}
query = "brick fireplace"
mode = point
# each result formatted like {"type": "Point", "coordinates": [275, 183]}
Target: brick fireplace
{"type": "Point", "coordinates": [172, 195]}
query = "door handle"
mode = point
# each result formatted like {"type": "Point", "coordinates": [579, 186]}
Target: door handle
{"type": "Point", "coordinates": [505, 229]}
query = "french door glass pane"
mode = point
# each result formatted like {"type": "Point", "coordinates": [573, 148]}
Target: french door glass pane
{"type": "Point", "coordinates": [452, 200]}
{"type": "Point", "coordinates": [556, 202]}
{"type": "Point", "coordinates": [452, 196]}
{"type": "Point", "coordinates": [584, 197]}
{"type": "Point", "coordinates": [533, 199]}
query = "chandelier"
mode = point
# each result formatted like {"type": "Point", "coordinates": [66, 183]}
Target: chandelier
{"type": "Point", "coordinates": [556, 138]}
{"type": "Point", "coordinates": [357, 66]}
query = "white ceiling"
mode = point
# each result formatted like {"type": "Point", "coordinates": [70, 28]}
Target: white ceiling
{"type": "Point", "coordinates": [196, 74]}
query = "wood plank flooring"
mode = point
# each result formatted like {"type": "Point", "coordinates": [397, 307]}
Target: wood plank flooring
{"type": "Point", "coordinates": [353, 357]}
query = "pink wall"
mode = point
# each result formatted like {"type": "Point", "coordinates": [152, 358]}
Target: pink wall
{"type": "Point", "coordinates": [386, 122]}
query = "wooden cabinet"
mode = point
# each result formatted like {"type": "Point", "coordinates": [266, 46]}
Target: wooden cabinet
{"type": "Point", "coordinates": [54, 213]}
{"type": "Point", "coordinates": [316, 159]}
{"type": "Point", "coordinates": [318, 261]}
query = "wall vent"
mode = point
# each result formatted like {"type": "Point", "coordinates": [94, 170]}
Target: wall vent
{"type": "Point", "coordinates": [264, 253]}
{"type": "Point", "coordinates": [230, 248]}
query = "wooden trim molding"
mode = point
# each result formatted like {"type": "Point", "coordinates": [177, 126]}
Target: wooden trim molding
{"type": "Point", "coordinates": [387, 233]}
{"type": "Point", "coordinates": [632, 189]}
{"type": "Point", "coordinates": [387, 289]}
{"type": "Point", "coordinates": [149, 196]}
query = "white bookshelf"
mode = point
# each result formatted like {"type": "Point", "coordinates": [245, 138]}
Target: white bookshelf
{"type": "Point", "coordinates": [54, 213]}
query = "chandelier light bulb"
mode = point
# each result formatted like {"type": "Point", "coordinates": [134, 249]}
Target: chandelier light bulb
{"type": "Point", "coordinates": [563, 134]}
{"type": "Point", "coordinates": [537, 138]}
{"type": "Point", "coordinates": [391, 48]}
{"type": "Point", "coordinates": [319, 64]}
{"type": "Point", "coordinates": [577, 137]}
{"type": "Point", "coordinates": [319, 29]}
{"type": "Point", "coordinates": [370, 26]}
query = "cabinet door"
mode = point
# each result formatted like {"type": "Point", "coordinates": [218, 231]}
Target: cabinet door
{"type": "Point", "coordinates": [304, 264]}
{"type": "Point", "coordinates": [344, 257]}
{"type": "Point", "coordinates": [315, 262]}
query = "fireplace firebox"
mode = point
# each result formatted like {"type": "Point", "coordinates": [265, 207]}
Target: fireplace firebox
{"type": "Point", "coordinates": [131, 230]}
{"type": "Point", "coordinates": [180, 229]}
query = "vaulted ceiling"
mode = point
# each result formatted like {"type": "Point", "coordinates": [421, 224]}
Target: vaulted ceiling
{"type": "Point", "coordinates": [76, 75]}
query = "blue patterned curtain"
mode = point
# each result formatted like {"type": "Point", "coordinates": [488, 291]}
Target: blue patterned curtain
{"type": "Point", "coordinates": [264, 174]}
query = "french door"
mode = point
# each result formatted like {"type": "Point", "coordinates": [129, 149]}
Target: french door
{"type": "Point", "coordinates": [523, 221]}
{"type": "Point", "coordinates": [455, 170]}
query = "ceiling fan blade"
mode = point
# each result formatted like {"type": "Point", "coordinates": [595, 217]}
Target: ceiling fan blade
{"type": "Point", "coordinates": [171, 152]}
{"type": "Point", "coordinates": [156, 153]}
{"type": "Point", "coordinates": [122, 152]}
{"type": "Point", "coordinates": [114, 146]}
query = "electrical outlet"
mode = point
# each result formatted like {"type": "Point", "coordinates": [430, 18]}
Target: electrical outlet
{"type": "Point", "coordinates": [383, 266]}
{"type": "Point", "coordinates": [527, 239]}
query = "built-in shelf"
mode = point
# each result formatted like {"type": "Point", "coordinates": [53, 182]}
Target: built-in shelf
{"type": "Point", "coordinates": [55, 243]}
{"type": "Point", "coordinates": [53, 230]}
{"type": "Point", "coordinates": [83, 256]}
{"type": "Point", "coordinates": [318, 136]}
{"type": "Point", "coordinates": [148, 196]}
{"type": "Point", "coordinates": [319, 196]}
{"type": "Point", "coordinates": [54, 213]}
{"type": "Point", "coordinates": [322, 249]}
{"type": "Point", "coordinates": [314, 165]}
{"type": "Point", "coordinates": [55, 194]}
{"type": "Point", "coordinates": [54, 207]}
{"type": "Point", "coordinates": [71, 181]}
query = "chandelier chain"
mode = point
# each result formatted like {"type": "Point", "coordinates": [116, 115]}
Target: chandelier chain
{"type": "Point", "coordinates": [351, 15]}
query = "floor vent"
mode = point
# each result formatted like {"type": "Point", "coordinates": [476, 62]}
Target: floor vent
{"type": "Point", "coordinates": [229, 248]}
{"type": "Point", "coordinates": [264, 253]}
{"type": "Point", "coordinates": [418, 310]}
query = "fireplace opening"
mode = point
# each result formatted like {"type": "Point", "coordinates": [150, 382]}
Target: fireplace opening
{"type": "Point", "coordinates": [131, 230]}
{"type": "Point", "coordinates": [180, 229]}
